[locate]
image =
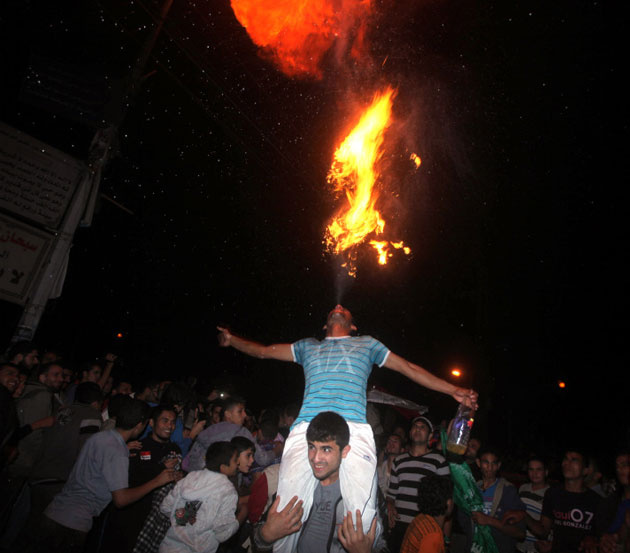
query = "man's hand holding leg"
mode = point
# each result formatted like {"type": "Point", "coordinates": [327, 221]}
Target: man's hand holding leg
{"type": "Point", "coordinates": [354, 540]}
{"type": "Point", "coordinates": [282, 523]}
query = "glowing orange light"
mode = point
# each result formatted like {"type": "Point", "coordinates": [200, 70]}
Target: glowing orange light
{"type": "Point", "coordinates": [561, 384]}
{"type": "Point", "coordinates": [296, 34]}
{"type": "Point", "coordinates": [354, 173]}
{"type": "Point", "coordinates": [456, 372]}
{"type": "Point", "coordinates": [119, 335]}
{"type": "Point", "coordinates": [416, 159]}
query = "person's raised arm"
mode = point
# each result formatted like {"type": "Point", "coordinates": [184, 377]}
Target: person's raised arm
{"type": "Point", "coordinates": [425, 378]}
{"type": "Point", "coordinates": [281, 352]}
{"type": "Point", "coordinates": [110, 359]}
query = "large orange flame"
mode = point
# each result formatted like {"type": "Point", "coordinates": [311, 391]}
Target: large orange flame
{"type": "Point", "coordinates": [296, 34]}
{"type": "Point", "coordinates": [354, 171]}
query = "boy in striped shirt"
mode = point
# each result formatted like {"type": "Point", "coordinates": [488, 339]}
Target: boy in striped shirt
{"type": "Point", "coordinates": [532, 495]}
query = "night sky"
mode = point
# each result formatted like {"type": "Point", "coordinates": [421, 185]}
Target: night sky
{"type": "Point", "coordinates": [514, 218]}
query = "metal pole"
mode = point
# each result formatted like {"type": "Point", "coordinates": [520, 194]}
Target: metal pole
{"type": "Point", "coordinates": [99, 155]}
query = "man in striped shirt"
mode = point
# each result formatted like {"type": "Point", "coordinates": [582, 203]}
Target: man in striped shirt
{"type": "Point", "coordinates": [336, 371]}
{"type": "Point", "coordinates": [409, 469]}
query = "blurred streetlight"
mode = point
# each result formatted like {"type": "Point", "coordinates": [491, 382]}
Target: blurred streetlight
{"type": "Point", "coordinates": [562, 384]}
{"type": "Point", "coordinates": [456, 372]}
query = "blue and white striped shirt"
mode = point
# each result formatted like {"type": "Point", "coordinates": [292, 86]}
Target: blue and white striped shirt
{"type": "Point", "coordinates": [336, 371]}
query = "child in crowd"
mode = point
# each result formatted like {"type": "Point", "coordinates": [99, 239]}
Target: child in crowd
{"type": "Point", "coordinates": [202, 506]}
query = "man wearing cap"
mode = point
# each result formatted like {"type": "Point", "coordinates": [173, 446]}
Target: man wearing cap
{"type": "Point", "coordinates": [408, 469]}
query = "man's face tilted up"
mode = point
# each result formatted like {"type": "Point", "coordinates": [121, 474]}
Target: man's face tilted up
{"type": "Point", "coordinates": [341, 319]}
{"type": "Point", "coordinates": [325, 459]}
{"type": "Point", "coordinates": [573, 466]}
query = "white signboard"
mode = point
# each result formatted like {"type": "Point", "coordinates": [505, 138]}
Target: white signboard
{"type": "Point", "coordinates": [23, 249]}
{"type": "Point", "coordinates": [36, 180]}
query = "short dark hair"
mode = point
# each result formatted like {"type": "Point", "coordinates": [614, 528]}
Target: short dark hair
{"type": "Point", "coordinates": [119, 381]}
{"type": "Point", "coordinates": [43, 369]}
{"type": "Point", "coordinates": [87, 367]}
{"type": "Point", "coordinates": [11, 365]}
{"type": "Point", "coordinates": [581, 451]}
{"type": "Point", "coordinates": [219, 453]}
{"type": "Point", "coordinates": [148, 382]}
{"type": "Point", "coordinates": [292, 410]}
{"type": "Point", "coordinates": [492, 450]}
{"type": "Point", "coordinates": [159, 409]}
{"type": "Point", "coordinates": [131, 412]}
{"type": "Point", "coordinates": [230, 402]}
{"type": "Point", "coordinates": [538, 459]}
{"type": "Point", "coordinates": [88, 392]}
{"type": "Point", "coordinates": [329, 426]}
{"type": "Point", "coordinates": [178, 393]}
{"type": "Point", "coordinates": [269, 424]}
{"type": "Point", "coordinates": [433, 494]}
{"type": "Point", "coordinates": [242, 444]}
{"type": "Point", "coordinates": [115, 404]}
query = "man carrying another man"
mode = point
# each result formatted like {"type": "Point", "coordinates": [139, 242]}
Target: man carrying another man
{"type": "Point", "coordinates": [336, 371]}
{"type": "Point", "coordinates": [327, 438]}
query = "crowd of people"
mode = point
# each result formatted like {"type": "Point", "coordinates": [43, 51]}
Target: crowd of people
{"type": "Point", "coordinates": [92, 461]}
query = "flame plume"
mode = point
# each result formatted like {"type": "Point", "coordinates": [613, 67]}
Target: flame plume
{"type": "Point", "coordinates": [354, 172]}
{"type": "Point", "coordinates": [297, 34]}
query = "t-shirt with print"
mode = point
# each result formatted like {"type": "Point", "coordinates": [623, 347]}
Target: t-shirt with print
{"type": "Point", "coordinates": [336, 372]}
{"type": "Point", "coordinates": [319, 533]}
{"type": "Point", "coordinates": [574, 516]}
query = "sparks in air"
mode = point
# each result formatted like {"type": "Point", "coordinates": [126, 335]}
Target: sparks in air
{"type": "Point", "coordinates": [354, 173]}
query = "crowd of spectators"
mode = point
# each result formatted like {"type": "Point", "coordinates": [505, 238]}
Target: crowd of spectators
{"type": "Point", "coordinates": [92, 461]}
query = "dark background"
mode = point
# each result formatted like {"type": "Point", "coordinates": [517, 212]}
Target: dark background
{"type": "Point", "coordinates": [515, 217]}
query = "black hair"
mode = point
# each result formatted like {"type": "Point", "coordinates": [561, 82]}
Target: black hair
{"type": "Point", "coordinates": [131, 412]}
{"type": "Point", "coordinates": [43, 369]}
{"type": "Point", "coordinates": [219, 453]}
{"type": "Point", "coordinates": [490, 449]}
{"type": "Point", "coordinates": [230, 402]}
{"type": "Point", "coordinates": [159, 409]}
{"type": "Point", "coordinates": [87, 367]}
{"type": "Point", "coordinates": [538, 459]}
{"type": "Point", "coordinates": [119, 381]}
{"type": "Point", "coordinates": [88, 392]}
{"type": "Point", "coordinates": [115, 404]}
{"type": "Point", "coordinates": [148, 382]}
{"type": "Point", "coordinates": [177, 393]}
{"type": "Point", "coordinates": [329, 426]}
{"type": "Point", "coordinates": [581, 451]}
{"type": "Point", "coordinates": [269, 424]}
{"type": "Point", "coordinates": [292, 410]}
{"type": "Point", "coordinates": [242, 444]}
{"type": "Point", "coordinates": [433, 494]}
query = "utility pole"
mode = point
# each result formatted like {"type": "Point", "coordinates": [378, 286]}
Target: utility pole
{"type": "Point", "coordinates": [53, 270]}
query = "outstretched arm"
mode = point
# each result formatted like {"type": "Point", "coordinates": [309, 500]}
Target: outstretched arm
{"type": "Point", "coordinates": [425, 378]}
{"type": "Point", "coordinates": [281, 352]}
